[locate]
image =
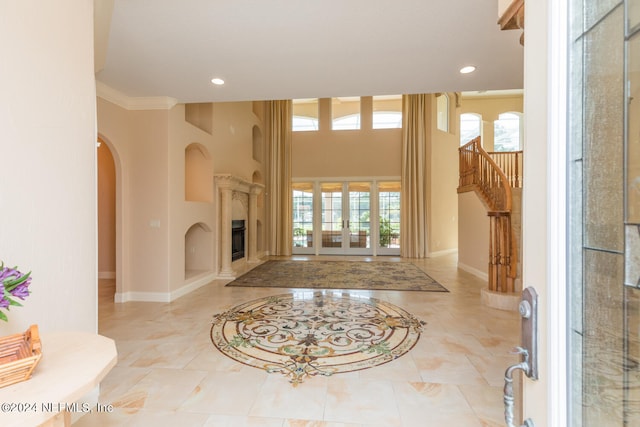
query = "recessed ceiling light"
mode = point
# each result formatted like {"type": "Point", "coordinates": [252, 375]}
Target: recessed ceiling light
{"type": "Point", "coordinates": [217, 81]}
{"type": "Point", "coordinates": [468, 69]}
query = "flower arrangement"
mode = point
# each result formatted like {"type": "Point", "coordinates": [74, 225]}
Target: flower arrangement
{"type": "Point", "coordinates": [14, 285]}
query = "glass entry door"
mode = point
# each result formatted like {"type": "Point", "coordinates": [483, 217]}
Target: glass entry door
{"type": "Point", "coordinates": [346, 218]}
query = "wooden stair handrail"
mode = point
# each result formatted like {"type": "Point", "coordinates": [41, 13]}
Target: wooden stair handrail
{"type": "Point", "coordinates": [479, 172]}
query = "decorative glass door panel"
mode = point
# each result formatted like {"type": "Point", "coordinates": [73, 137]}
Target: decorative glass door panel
{"type": "Point", "coordinates": [332, 216]}
{"type": "Point", "coordinates": [359, 224]}
{"type": "Point", "coordinates": [389, 218]}
{"type": "Point", "coordinates": [338, 217]}
{"type": "Point", "coordinates": [346, 218]}
{"type": "Point", "coordinates": [604, 266]}
{"type": "Point", "coordinates": [302, 215]}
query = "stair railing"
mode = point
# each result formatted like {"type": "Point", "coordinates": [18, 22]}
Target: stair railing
{"type": "Point", "coordinates": [510, 163]}
{"type": "Point", "coordinates": [480, 173]}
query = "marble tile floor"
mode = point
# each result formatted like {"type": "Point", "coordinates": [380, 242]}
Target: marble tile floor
{"type": "Point", "coordinates": [169, 373]}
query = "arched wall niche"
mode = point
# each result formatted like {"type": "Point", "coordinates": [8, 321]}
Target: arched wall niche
{"type": "Point", "coordinates": [198, 248]}
{"type": "Point", "coordinates": [258, 150]}
{"type": "Point", "coordinates": [257, 179]}
{"type": "Point", "coordinates": [198, 174]}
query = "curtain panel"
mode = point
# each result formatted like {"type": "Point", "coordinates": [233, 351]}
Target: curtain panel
{"type": "Point", "coordinates": [278, 192]}
{"type": "Point", "coordinates": [415, 191]}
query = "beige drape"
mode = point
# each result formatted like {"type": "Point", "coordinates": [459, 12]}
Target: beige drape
{"type": "Point", "coordinates": [278, 191]}
{"type": "Point", "coordinates": [415, 190]}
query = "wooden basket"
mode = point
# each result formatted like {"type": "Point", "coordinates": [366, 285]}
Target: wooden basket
{"type": "Point", "coordinates": [19, 355]}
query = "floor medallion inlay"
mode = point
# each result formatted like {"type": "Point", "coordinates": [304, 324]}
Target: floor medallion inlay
{"type": "Point", "coordinates": [309, 333]}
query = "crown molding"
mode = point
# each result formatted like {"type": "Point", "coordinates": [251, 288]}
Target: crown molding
{"type": "Point", "coordinates": [134, 103]}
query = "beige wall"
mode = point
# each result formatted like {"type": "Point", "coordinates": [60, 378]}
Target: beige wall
{"type": "Point", "coordinates": [377, 153]}
{"type": "Point", "coordinates": [48, 138]}
{"type": "Point", "coordinates": [347, 153]}
{"type": "Point", "coordinates": [473, 229]}
{"type": "Point", "coordinates": [150, 146]}
{"type": "Point", "coordinates": [443, 226]}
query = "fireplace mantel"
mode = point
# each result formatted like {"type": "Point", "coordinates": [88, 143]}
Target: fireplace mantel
{"type": "Point", "coordinates": [227, 186]}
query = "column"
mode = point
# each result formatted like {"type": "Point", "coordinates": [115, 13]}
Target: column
{"type": "Point", "coordinates": [253, 224]}
{"type": "Point", "coordinates": [225, 231]}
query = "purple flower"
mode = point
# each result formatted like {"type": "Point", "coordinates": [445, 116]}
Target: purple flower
{"type": "Point", "coordinates": [21, 291]}
{"type": "Point", "coordinates": [8, 273]}
{"type": "Point", "coordinates": [14, 285]}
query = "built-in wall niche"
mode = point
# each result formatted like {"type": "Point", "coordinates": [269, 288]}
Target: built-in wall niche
{"type": "Point", "coordinates": [198, 174]}
{"type": "Point", "coordinates": [257, 179]}
{"type": "Point", "coordinates": [200, 115]}
{"type": "Point", "coordinates": [258, 146]}
{"type": "Point", "coordinates": [198, 250]}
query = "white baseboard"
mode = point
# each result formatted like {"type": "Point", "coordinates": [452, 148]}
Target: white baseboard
{"type": "Point", "coordinates": [106, 275]}
{"type": "Point", "coordinates": [441, 253]}
{"type": "Point", "coordinates": [142, 297]}
{"type": "Point", "coordinates": [198, 282]}
{"type": "Point", "coordinates": [478, 273]}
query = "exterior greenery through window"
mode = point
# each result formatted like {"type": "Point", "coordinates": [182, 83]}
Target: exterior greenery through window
{"type": "Point", "coordinates": [302, 214]}
{"type": "Point", "coordinates": [389, 209]}
{"type": "Point", "coordinates": [470, 127]}
{"type": "Point", "coordinates": [506, 132]}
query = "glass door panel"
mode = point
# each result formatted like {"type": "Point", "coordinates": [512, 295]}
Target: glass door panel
{"type": "Point", "coordinates": [389, 217]}
{"type": "Point", "coordinates": [604, 220]}
{"type": "Point", "coordinates": [346, 218]}
{"type": "Point", "coordinates": [332, 219]}
{"type": "Point", "coordinates": [302, 215]}
{"type": "Point", "coordinates": [359, 224]}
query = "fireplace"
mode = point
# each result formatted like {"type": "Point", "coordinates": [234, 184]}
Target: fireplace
{"type": "Point", "coordinates": [237, 239]}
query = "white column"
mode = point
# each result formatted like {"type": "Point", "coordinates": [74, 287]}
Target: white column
{"type": "Point", "coordinates": [225, 232]}
{"type": "Point", "coordinates": [253, 224]}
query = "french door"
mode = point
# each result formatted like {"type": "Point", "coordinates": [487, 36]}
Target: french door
{"type": "Point", "coordinates": [346, 217]}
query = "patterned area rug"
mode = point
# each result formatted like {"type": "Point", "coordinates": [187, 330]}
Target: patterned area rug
{"type": "Point", "coordinates": [391, 276]}
{"type": "Point", "coordinates": [311, 333]}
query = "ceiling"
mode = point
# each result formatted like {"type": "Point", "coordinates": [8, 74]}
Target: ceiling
{"type": "Point", "coordinates": [287, 49]}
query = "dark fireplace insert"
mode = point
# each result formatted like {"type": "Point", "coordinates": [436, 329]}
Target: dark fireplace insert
{"type": "Point", "coordinates": [237, 239]}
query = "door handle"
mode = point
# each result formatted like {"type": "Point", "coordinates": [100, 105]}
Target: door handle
{"type": "Point", "coordinates": [508, 388]}
{"type": "Point", "coordinates": [529, 350]}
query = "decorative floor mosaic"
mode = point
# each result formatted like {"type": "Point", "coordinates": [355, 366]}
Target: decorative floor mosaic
{"type": "Point", "coordinates": [311, 333]}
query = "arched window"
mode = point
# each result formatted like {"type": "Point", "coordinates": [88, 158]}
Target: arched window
{"type": "Point", "coordinates": [387, 119]}
{"type": "Point", "coordinates": [387, 112]}
{"type": "Point", "coordinates": [470, 127]}
{"type": "Point", "coordinates": [352, 121]}
{"type": "Point", "coordinates": [507, 135]}
{"type": "Point", "coordinates": [305, 114]}
{"type": "Point", "coordinates": [442, 112]}
{"type": "Point", "coordinates": [345, 113]}
{"type": "Point", "coordinates": [301, 123]}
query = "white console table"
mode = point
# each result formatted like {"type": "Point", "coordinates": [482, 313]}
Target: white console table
{"type": "Point", "coordinates": [72, 364]}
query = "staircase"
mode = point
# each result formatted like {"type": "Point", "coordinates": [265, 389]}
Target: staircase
{"type": "Point", "coordinates": [497, 180]}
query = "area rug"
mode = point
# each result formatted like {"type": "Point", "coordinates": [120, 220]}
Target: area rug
{"type": "Point", "coordinates": [310, 333]}
{"type": "Point", "coordinates": [388, 276]}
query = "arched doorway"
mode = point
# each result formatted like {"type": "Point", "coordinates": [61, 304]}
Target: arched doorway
{"type": "Point", "coordinates": [109, 220]}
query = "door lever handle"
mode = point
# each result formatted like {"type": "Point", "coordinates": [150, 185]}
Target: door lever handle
{"type": "Point", "coordinates": [508, 388]}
